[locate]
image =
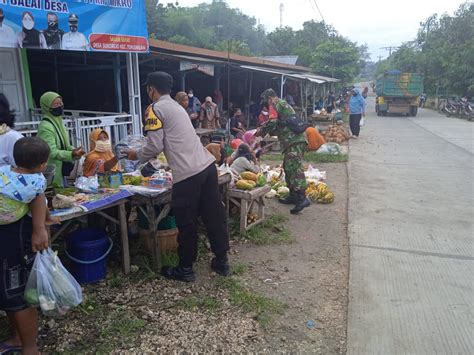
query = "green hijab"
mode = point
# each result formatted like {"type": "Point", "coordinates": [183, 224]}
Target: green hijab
{"type": "Point", "coordinates": [46, 101]}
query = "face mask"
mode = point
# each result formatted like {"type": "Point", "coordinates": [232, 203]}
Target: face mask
{"type": "Point", "coordinates": [190, 95]}
{"type": "Point", "coordinates": [53, 25]}
{"type": "Point", "coordinates": [28, 24]}
{"type": "Point", "coordinates": [57, 111]}
{"type": "Point", "coordinates": [73, 28]}
{"type": "Point", "coordinates": [103, 146]}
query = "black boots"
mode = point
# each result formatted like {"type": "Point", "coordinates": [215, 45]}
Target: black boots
{"type": "Point", "coordinates": [179, 273]}
{"type": "Point", "coordinates": [301, 203]}
{"type": "Point", "coordinates": [291, 199]}
{"type": "Point", "coordinates": [220, 265]}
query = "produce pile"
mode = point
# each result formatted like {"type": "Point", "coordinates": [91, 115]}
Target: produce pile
{"type": "Point", "coordinates": [319, 192]}
{"type": "Point", "coordinates": [249, 180]}
{"type": "Point", "coordinates": [336, 133]}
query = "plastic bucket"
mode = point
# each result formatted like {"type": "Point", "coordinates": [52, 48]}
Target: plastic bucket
{"type": "Point", "coordinates": [88, 250]}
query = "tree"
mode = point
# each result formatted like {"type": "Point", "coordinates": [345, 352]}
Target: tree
{"type": "Point", "coordinates": [339, 58]}
{"type": "Point", "coordinates": [443, 51]}
{"type": "Point", "coordinates": [282, 41]}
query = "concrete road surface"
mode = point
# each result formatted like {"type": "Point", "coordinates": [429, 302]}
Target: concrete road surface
{"type": "Point", "coordinates": [411, 192]}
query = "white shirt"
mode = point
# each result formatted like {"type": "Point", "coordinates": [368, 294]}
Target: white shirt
{"type": "Point", "coordinates": [7, 141]}
{"type": "Point", "coordinates": [74, 41]}
{"type": "Point", "coordinates": [7, 37]}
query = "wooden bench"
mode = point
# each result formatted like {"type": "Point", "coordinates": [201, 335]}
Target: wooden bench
{"type": "Point", "coordinates": [246, 200]}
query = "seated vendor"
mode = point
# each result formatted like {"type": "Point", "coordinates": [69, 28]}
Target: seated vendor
{"type": "Point", "coordinates": [100, 159]}
{"type": "Point", "coordinates": [244, 160]}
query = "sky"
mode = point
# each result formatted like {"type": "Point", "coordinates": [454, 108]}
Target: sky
{"type": "Point", "coordinates": [377, 23]}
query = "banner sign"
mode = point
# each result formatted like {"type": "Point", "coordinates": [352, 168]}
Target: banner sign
{"type": "Point", "coordinates": [207, 69]}
{"type": "Point", "coordinates": [80, 25]}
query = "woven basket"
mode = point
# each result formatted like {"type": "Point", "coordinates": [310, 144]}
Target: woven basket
{"type": "Point", "coordinates": [168, 239]}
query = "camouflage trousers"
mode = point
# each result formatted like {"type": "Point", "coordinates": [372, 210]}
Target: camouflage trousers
{"type": "Point", "coordinates": [293, 167]}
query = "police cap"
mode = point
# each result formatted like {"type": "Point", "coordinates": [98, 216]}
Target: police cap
{"type": "Point", "coordinates": [160, 80]}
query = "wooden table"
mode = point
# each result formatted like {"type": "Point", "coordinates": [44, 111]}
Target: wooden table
{"type": "Point", "coordinates": [246, 200]}
{"type": "Point", "coordinates": [121, 222]}
{"type": "Point", "coordinates": [147, 204]}
{"type": "Point", "coordinates": [205, 132]}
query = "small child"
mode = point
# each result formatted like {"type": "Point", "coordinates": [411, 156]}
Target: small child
{"type": "Point", "coordinates": [21, 189]}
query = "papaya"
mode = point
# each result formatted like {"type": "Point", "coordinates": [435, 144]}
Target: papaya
{"type": "Point", "coordinates": [245, 184]}
{"type": "Point", "coordinates": [247, 175]}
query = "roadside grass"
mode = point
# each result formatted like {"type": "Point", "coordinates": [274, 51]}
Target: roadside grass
{"type": "Point", "coordinates": [239, 268]}
{"type": "Point", "coordinates": [311, 157]}
{"type": "Point", "coordinates": [272, 230]}
{"type": "Point", "coordinates": [314, 157]}
{"type": "Point", "coordinates": [263, 307]}
{"type": "Point", "coordinates": [201, 302]}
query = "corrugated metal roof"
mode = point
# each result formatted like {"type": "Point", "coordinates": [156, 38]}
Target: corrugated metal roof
{"type": "Point", "coordinates": [300, 76]}
{"type": "Point", "coordinates": [157, 46]}
{"type": "Point", "coordinates": [285, 59]}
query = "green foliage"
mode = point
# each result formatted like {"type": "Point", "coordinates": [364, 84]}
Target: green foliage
{"type": "Point", "coordinates": [217, 26]}
{"type": "Point", "coordinates": [443, 52]}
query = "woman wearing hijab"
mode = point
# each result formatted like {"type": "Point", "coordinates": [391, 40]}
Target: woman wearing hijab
{"type": "Point", "coordinates": [29, 37]}
{"type": "Point", "coordinates": [245, 161]}
{"type": "Point", "coordinates": [183, 99]}
{"type": "Point", "coordinates": [100, 159]}
{"type": "Point", "coordinates": [52, 131]}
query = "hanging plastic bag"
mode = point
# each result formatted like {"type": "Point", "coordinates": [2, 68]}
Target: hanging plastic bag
{"type": "Point", "coordinates": [362, 122]}
{"type": "Point", "coordinates": [51, 286]}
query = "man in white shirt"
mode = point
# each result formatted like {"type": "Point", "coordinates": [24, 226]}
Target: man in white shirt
{"type": "Point", "coordinates": [7, 35]}
{"type": "Point", "coordinates": [74, 40]}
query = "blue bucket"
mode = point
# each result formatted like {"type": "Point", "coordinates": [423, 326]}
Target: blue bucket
{"type": "Point", "coordinates": [88, 250]}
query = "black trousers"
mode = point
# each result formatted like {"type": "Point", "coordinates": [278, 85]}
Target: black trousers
{"type": "Point", "coordinates": [199, 196]}
{"type": "Point", "coordinates": [354, 123]}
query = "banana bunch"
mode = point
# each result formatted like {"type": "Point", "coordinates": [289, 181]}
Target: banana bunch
{"type": "Point", "coordinates": [319, 192]}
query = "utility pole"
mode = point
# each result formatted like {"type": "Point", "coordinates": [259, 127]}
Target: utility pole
{"type": "Point", "coordinates": [281, 14]}
{"type": "Point", "coordinates": [390, 48]}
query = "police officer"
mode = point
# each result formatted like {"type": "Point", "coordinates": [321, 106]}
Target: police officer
{"type": "Point", "coordinates": [53, 34]}
{"type": "Point", "coordinates": [195, 179]}
{"type": "Point", "coordinates": [294, 146]}
{"type": "Point", "coordinates": [74, 40]}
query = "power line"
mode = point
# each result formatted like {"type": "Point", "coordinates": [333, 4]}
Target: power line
{"type": "Point", "coordinates": [312, 5]}
{"type": "Point", "coordinates": [320, 13]}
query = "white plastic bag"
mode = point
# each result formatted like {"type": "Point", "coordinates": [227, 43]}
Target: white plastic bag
{"type": "Point", "coordinates": [51, 286]}
{"type": "Point", "coordinates": [362, 122]}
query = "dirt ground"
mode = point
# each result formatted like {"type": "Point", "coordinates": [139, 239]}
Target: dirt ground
{"type": "Point", "coordinates": [309, 275]}
{"type": "Point", "coordinates": [289, 297]}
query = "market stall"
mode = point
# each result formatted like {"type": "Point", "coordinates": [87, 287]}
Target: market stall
{"type": "Point", "coordinates": [101, 204]}
{"type": "Point", "coordinates": [146, 199]}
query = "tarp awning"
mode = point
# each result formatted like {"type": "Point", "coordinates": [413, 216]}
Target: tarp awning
{"type": "Point", "coordinates": [317, 79]}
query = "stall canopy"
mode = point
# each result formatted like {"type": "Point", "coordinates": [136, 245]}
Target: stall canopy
{"type": "Point", "coordinates": [95, 25]}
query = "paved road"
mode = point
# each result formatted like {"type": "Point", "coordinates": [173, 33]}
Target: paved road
{"type": "Point", "coordinates": [411, 288]}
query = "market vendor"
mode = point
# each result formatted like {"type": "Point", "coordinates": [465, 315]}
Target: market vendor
{"type": "Point", "coordinates": [100, 159]}
{"type": "Point", "coordinates": [195, 178]}
{"type": "Point", "coordinates": [294, 146]}
{"type": "Point", "coordinates": [52, 131]}
{"type": "Point", "coordinates": [244, 161]}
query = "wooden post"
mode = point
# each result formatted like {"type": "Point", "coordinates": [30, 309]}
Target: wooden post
{"type": "Point", "coordinates": [124, 238]}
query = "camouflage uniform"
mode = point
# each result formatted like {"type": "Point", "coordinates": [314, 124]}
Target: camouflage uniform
{"type": "Point", "coordinates": [294, 146]}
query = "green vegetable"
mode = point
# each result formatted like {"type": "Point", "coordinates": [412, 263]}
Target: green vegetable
{"type": "Point", "coordinates": [31, 296]}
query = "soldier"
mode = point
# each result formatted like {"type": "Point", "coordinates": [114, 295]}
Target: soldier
{"type": "Point", "coordinates": [294, 145]}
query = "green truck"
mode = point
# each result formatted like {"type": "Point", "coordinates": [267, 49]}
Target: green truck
{"type": "Point", "coordinates": [398, 93]}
